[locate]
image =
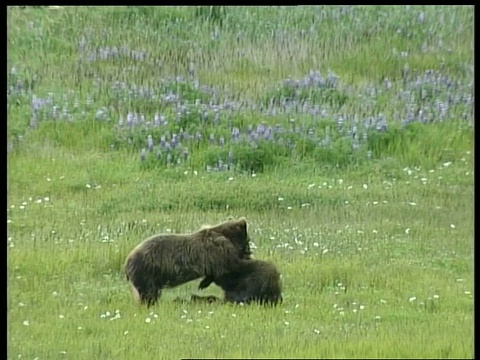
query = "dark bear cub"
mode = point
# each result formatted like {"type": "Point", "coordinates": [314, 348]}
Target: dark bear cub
{"type": "Point", "coordinates": [253, 281]}
{"type": "Point", "coordinates": [169, 260]}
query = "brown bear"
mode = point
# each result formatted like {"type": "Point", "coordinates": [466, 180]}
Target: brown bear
{"type": "Point", "coordinates": [253, 280]}
{"type": "Point", "coordinates": [169, 260]}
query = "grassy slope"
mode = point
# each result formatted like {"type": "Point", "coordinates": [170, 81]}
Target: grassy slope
{"type": "Point", "coordinates": [377, 260]}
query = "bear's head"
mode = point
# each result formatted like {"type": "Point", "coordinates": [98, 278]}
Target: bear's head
{"type": "Point", "coordinates": [234, 230]}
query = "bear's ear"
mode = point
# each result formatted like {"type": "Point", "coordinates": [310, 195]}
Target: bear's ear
{"type": "Point", "coordinates": [242, 223]}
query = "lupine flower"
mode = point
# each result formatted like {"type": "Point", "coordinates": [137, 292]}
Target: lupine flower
{"type": "Point", "coordinates": [216, 118]}
{"type": "Point", "coordinates": [168, 147]}
{"type": "Point", "coordinates": [355, 144]}
{"type": "Point", "coordinates": [130, 119]}
{"type": "Point", "coordinates": [261, 129]}
{"type": "Point", "coordinates": [156, 120]}
{"type": "Point", "coordinates": [235, 133]}
{"type": "Point", "coordinates": [143, 154]}
{"type": "Point", "coordinates": [191, 70]}
{"type": "Point", "coordinates": [150, 143]}
{"type": "Point", "coordinates": [421, 17]}
{"type": "Point", "coordinates": [38, 103]}
{"type": "Point", "coordinates": [354, 131]}
{"type": "Point", "coordinates": [101, 114]}
{"type": "Point", "coordinates": [34, 121]}
{"type": "Point", "coordinates": [269, 133]}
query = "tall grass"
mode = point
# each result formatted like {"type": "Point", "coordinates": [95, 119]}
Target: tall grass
{"type": "Point", "coordinates": [343, 133]}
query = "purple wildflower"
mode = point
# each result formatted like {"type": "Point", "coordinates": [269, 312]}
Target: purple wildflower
{"type": "Point", "coordinates": [130, 119]}
{"type": "Point", "coordinates": [156, 120]}
{"type": "Point", "coordinates": [261, 129]}
{"type": "Point", "coordinates": [216, 118]}
{"type": "Point", "coordinates": [101, 114]}
{"type": "Point", "coordinates": [235, 133]}
{"type": "Point", "coordinates": [38, 103]}
{"type": "Point", "coordinates": [150, 143]}
{"type": "Point", "coordinates": [354, 132]}
{"type": "Point", "coordinates": [268, 133]}
{"type": "Point", "coordinates": [34, 121]}
{"type": "Point", "coordinates": [162, 141]}
{"type": "Point", "coordinates": [168, 147]}
{"type": "Point", "coordinates": [191, 70]}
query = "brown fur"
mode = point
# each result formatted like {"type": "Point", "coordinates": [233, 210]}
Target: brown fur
{"type": "Point", "coordinates": [254, 280]}
{"type": "Point", "coordinates": [169, 260]}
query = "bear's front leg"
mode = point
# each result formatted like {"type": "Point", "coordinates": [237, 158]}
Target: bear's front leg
{"type": "Point", "coordinates": [207, 280]}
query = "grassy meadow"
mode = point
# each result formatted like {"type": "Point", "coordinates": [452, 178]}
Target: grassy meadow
{"type": "Point", "coordinates": [344, 134]}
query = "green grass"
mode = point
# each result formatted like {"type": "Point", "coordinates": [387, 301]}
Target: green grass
{"type": "Point", "coordinates": [376, 255]}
